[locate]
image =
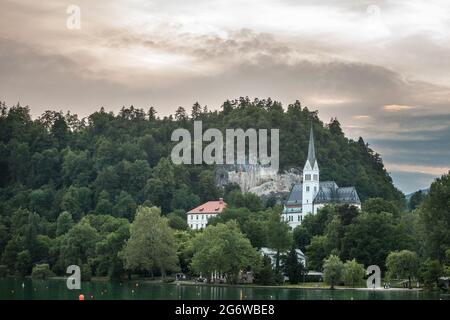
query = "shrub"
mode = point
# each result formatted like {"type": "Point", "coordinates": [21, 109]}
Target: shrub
{"type": "Point", "coordinates": [86, 272]}
{"type": "Point", "coordinates": [168, 279]}
{"type": "Point", "coordinates": [430, 272]}
{"type": "Point", "coordinates": [41, 271]}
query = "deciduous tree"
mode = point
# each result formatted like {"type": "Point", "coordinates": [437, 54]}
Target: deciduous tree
{"type": "Point", "coordinates": [353, 273]}
{"type": "Point", "coordinates": [401, 264]}
{"type": "Point", "coordinates": [224, 249]}
{"type": "Point", "coordinates": [333, 270]}
{"type": "Point", "coordinates": [151, 245]}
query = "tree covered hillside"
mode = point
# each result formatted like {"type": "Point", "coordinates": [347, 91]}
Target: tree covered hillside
{"type": "Point", "coordinates": [123, 154]}
{"type": "Point", "coordinates": [70, 187]}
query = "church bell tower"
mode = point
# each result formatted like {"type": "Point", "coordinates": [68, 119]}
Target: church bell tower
{"type": "Point", "coordinates": [310, 177]}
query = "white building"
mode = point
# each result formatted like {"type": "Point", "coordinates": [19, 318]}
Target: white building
{"type": "Point", "coordinates": [312, 194]}
{"type": "Point", "coordinates": [198, 217]}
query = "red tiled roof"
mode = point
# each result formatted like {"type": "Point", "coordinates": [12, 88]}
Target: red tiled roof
{"type": "Point", "coordinates": [209, 207]}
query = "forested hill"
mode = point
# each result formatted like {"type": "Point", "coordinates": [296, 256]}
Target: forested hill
{"type": "Point", "coordinates": [110, 163]}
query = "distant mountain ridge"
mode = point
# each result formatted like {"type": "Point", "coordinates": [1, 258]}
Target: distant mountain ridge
{"type": "Point", "coordinates": [409, 195]}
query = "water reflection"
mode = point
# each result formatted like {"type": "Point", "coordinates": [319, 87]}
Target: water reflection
{"type": "Point", "coordinates": [11, 288]}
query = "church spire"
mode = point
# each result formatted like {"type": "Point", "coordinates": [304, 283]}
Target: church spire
{"type": "Point", "coordinates": [311, 148]}
{"type": "Point", "coordinates": [311, 179]}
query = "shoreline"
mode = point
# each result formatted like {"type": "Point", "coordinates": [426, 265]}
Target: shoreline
{"type": "Point", "coordinates": [306, 286]}
{"type": "Point", "coordinates": [295, 287]}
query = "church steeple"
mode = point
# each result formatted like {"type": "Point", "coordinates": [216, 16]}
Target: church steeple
{"type": "Point", "coordinates": [311, 179]}
{"type": "Point", "coordinates": [311, 148]}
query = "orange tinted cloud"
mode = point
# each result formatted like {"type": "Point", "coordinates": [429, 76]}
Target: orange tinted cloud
{"type": "Point", "coordinates": [397, 107]}
{"type": "Point", "coordinates": [437, 171]}
{"type": "Point", "coordinates": [361, 117]}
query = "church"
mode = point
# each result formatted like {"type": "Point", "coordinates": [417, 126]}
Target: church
{"type": "Point", "coordinates": [313, 194]}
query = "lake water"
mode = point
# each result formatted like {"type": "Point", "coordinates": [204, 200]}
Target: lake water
{"type": "Point", "coordinates": [11, 288]}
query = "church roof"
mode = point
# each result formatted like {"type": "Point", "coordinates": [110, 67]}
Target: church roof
{"type": "Point", "coordinates": [333, 194]}
{"type": "Point", "coordinates": [348, 195]}
{"type": "Point", "coordinates": [329, 192]}
{"type": "Point", "coordinates": [328, 184]}
{"type": "Point", "coordinates": [311, 149]}
{"type": "Point", "coordinates": [296, 195]}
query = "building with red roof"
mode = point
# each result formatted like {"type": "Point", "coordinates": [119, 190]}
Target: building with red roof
{"type": "Point", "coordinates": [198, 217]}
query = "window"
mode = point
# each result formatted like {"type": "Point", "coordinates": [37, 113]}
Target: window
{"type": "Point", "coordinates": [316, 177]}
{"type": "Point", "coordinates": [307, 177]}
{"type": "Point", "coordinates": [307, 189]}
{"type": "Point", "coordinates": [315, 189]}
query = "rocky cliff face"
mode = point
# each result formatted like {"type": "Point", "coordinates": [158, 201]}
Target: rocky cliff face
{"type": "Point", "coordinates": [263, 181]}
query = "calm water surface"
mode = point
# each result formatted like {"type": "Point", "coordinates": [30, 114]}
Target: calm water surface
{"type": "Point", "coordinates": [11, 288]}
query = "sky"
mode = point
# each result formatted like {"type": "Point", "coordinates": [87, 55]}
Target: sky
{"type": "Point", "coordinates": [381, 67]}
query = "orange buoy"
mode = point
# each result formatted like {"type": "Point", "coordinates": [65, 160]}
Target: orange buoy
{"type": "Point", "coordinates": [81, 297]}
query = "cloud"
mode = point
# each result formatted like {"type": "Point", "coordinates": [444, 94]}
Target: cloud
{"type": "Point", "coordinates": [433, 171]}
{"type": "Point", "coordinates": [397, 107]}
{"type": "Point", "coordinates": [361, 117]}
{"type": "Point", "coordinates": [383, 70]}
{"type": "Point", "coordinates": [410, 182]}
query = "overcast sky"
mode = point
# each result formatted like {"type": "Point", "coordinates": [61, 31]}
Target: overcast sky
{"type": "Point", "coordinates": [381, 67]}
